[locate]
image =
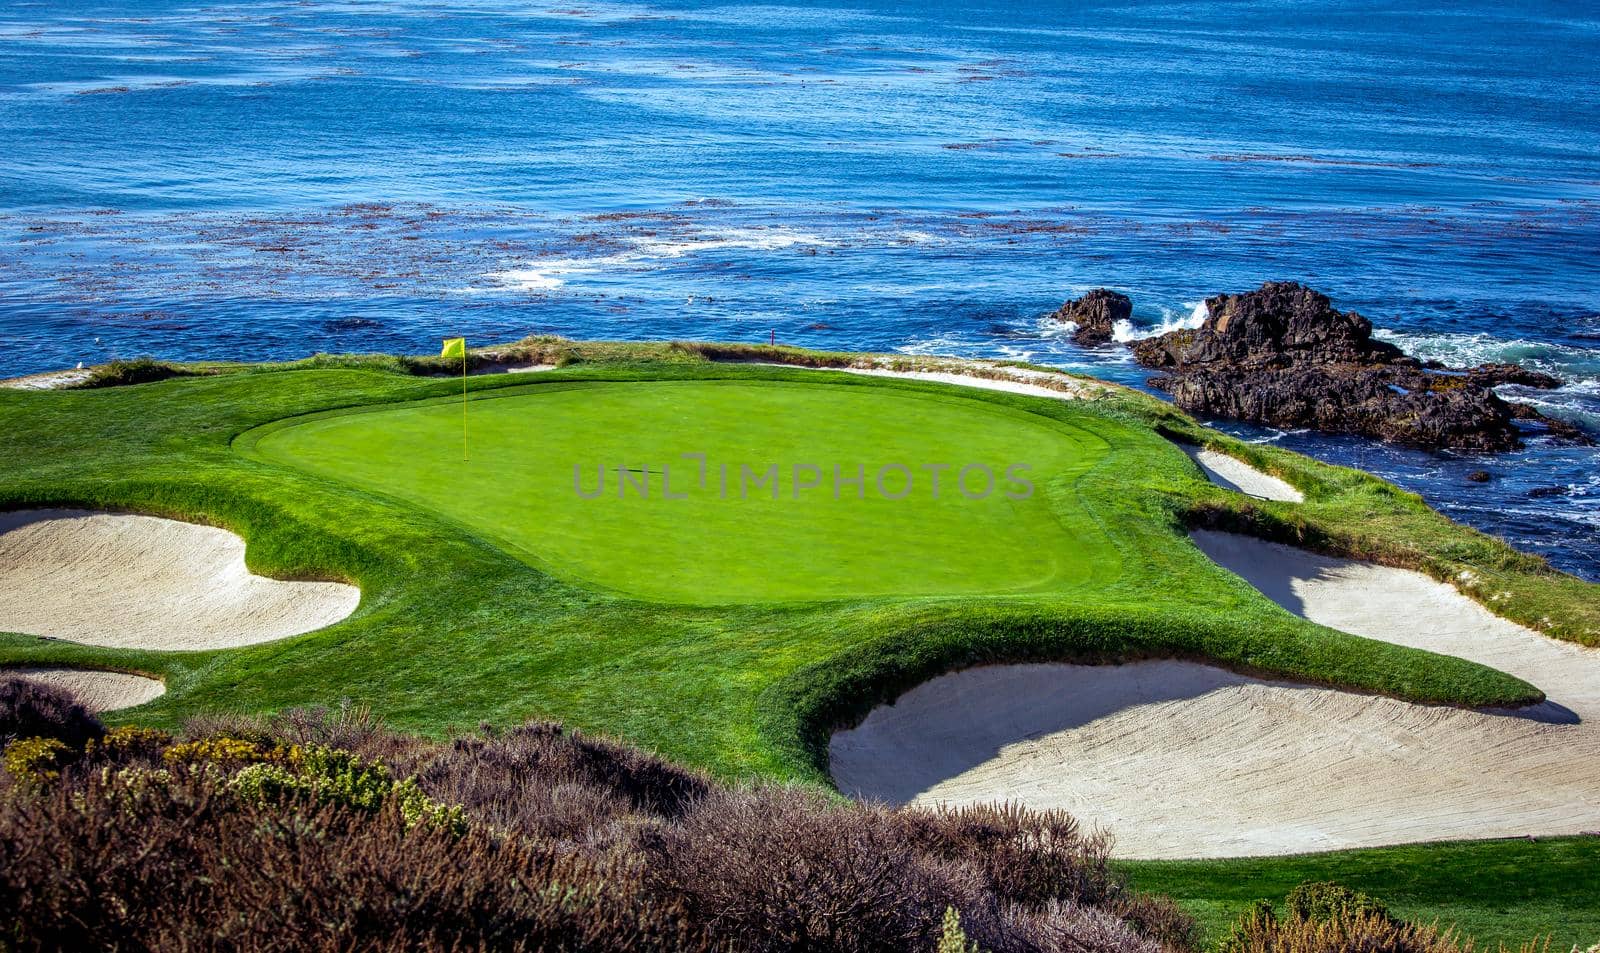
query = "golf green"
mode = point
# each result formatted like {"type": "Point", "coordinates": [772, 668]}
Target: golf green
{"type": "Point", "coordinates": [725, 491]}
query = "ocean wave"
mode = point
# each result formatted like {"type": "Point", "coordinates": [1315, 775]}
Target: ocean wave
{"type": "Point", "coordinates": [644, 253]}
{"type": "Point", "coordinates": [1576, 364]}
{"type": "Point", "coordinates": [1577, 403]}
{"type": "Point", "coordinates": [1127, 331]}
{"type": "Point", "coordinates": [548, 275]}
{"type": "Point", "coordinates": [726, 239]}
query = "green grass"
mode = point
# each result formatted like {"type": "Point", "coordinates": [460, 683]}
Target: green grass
{"type": "Point", "coordinates": [1499, 891]}
{"type": "Point", "coordinates": [765, 504]}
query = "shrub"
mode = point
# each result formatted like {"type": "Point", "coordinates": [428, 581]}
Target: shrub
{"type": "Point", "coordinates": [328, 776]}
{"type": "Point", "coordinates": [1326, 902]}
{"type": "Point", "coordinates": [128, 742]}
{"type": "Point", "coordinates": [35, 762]}
{"type": "Point", "coordinates": [294, 834]}
{"type": "Point", "coordinates": [1037, 859]}
{"type": "Point", "coordinates": [1027, 857]}
{"type": "Point", "coordinates": [1350, 931]}
{"type": "Point", "coordinates": [175, 866]}
{"type": "Point", "coordinates": [224, 751]}
{"type": "Point", "coordinates": [953, 939]}
{"type": "Point", "coordinates": [30, 709]}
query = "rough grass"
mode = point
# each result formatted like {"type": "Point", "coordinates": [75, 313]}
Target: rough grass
{"type": "Point", "coordinates": [1498, 892]}
{"type": "Point", "coordinates": [139, 370]}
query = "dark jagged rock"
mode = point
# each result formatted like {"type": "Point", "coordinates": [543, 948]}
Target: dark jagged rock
{"type": "Point", "coordinates": [1493, 375]}
{"type": "Point", "coordinates": [1280, 324]}
{"type": "Point", "coordinates": [1096, 315]}
{"type": "Point", "coordinates": [1284, 356]}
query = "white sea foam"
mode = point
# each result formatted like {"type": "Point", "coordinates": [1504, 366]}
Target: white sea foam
{"type": "Point", "coordinates": [549, 274]}
{"type": "Point", "coordinates": [526, 279]}
{"type": "Point", "coordinates": [1577, 402]}
{"type": "Point", "coordinates": [727, 239]}
{"type": "Point", "coordinates": [1126, 331]}
{"type": "Point", "coordinates": [1574, 363]}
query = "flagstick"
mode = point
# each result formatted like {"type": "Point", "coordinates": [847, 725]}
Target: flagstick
{"type": "Point", "coordinates": [463, 402]}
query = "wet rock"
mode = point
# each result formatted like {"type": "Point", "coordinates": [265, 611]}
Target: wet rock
{"type": "Point", "coordinates": [1279, 324]}
{"type": "Point", "coordinates": [1282, 355]}
{"type": "Point", "coordinates": [1479, 476]}
{"type": "Point", "coordinates": [1096, 315]}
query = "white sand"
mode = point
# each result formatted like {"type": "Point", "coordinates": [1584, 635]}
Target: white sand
{"type": "Point", "coordinates": [1232, 474]}
{"type": "Point", "coordinates": [143, 582]}
{"type": "Point", "coordinates": [50, 380]}
{"type": "Point", "coordinates": [1186, 760]}
{"type": "Point", "coordinates": [499, 368]}
{"type": "Point", "coordinates": [99, 691]}
{"type": "Point", "coordinates": [1016, 380]}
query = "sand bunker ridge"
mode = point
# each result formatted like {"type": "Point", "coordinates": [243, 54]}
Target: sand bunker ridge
{"type": "Point", "coordinates": [1185, 760]}
{"type": "Point", "coordinates": [133, 581]}
{"type": "Point", "coordinates": [98, 691]}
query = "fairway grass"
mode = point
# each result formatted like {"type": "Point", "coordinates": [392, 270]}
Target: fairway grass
{"type": "Point", "coordinates": [1499, 892]}
{"type": "Point", "coordinates": [737, 491]}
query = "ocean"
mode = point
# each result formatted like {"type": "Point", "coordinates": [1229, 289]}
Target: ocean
{"type": "Point", "coordinates": [268, 179]}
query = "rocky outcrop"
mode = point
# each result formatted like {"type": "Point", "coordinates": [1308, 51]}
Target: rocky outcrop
{"type": "Point", "coordinates": [1285, 357]}
{"type": "Point", "coordinates": [1280, 324]}
{"type": "Point", "coordinates": [1096, 315]}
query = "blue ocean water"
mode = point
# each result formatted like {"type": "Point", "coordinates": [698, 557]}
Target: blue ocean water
{"type": "Point", "coordinates": [267, 179]}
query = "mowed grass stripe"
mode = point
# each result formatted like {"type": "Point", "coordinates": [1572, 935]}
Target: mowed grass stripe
{"type": "Point", "coordinates": [536, 455]}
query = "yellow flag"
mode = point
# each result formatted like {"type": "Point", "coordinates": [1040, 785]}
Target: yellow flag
{"type": "Point", "coordinates": [454, 347]}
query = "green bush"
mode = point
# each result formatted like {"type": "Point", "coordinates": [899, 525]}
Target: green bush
{"type": "Point", "coordinates": [327, 775]}
{"type": "Point", "coordinates": [1325, 902]}
{"type": "Point", "coordinates": [128, 741]}
{"type": "Point", "coordinates": [954, 939]}
{"type": "Point", "coordinates": [224, 751]}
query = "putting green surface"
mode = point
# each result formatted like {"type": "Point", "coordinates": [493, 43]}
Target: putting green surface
{"type": "Point", "coordinates": [723, 491]}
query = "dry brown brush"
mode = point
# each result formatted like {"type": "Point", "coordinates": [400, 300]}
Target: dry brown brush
{"type": "Point", "coordinates": [318, 832]}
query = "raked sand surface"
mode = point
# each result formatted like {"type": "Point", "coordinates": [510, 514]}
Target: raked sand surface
{"type": "Point", "coordinates": [1178, 759]}
{"type": "Point", "coordinates": [98, 691]}
{"type": "Point", "coordinates": [143, 582]}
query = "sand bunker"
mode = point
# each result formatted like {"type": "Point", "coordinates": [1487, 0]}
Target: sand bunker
{"type": "Point", "coordinates": [1186, 760]}
{"type": "Point", "coordinates": [50, 380]}
{"type": "Point", "coordinates": [1015, 380]}
{"type": "Point", "coordinates": [143, 582]}
{"type": "Point", "coordinates": [99, 691]}
{"type": "Point", "coordinates": [1241, 477]}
